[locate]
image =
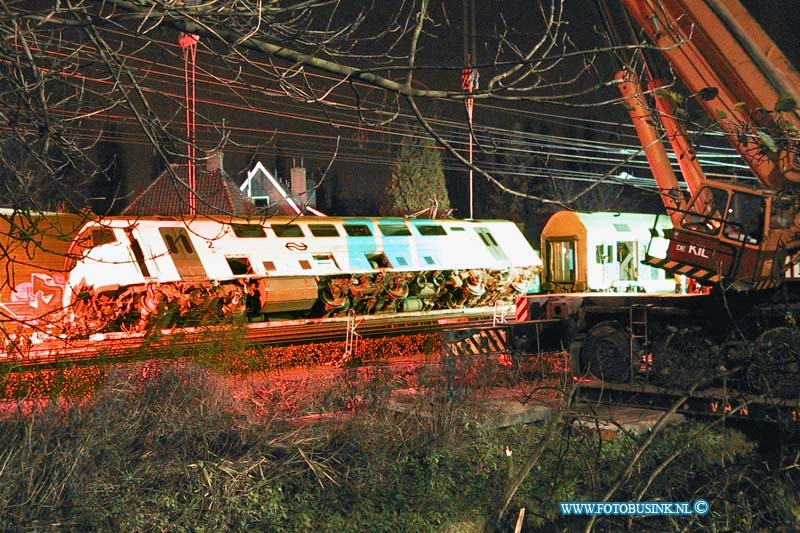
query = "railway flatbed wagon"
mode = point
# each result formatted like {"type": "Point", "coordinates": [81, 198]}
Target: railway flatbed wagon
{"type": "Point", "coordinates": [709, 402]}
{"type": "Point", "coordinates": [678, 341]}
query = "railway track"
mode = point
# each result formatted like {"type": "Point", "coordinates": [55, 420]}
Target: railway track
{"type": "Point", "coordinates": [120, 345]}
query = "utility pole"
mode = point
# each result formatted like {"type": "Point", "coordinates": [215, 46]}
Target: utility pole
{"type": "Point", "coordinates": [469, 81]}
{"type": "Point", "coordinates": [189, 44]}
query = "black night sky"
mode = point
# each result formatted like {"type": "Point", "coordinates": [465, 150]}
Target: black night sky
{"type": "Point", "coordinates": [290, 133]}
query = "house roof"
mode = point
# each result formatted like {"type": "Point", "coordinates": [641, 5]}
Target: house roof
{"type": "Point", "coordinates": [261, 184]}
{"type": "Point", "coordinates": [216, 195]}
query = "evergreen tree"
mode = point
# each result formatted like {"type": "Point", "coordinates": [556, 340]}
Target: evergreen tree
{"type": "Point", "coordinates": [416, 180]}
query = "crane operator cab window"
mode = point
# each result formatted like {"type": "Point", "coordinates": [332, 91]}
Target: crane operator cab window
{"type": "Point", "coordinates": [782, 212]}
{"type": "Point", "coordinates": [745, 219]}
{"type": "Point", "coordinates": [739, 215]}
{"type": "Point", "coordinates": [705, 211]}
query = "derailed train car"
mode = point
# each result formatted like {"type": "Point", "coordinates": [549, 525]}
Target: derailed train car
{"type": "Point", "coordinates": [33, 247]}
{"type": "Point", "coordinates": [136, 273]}
{"type": "Point", "coordinates": [587, 252]}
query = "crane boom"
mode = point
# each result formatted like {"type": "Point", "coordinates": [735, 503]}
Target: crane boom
{"type": "Point", "coordinates": [718, 45]}
{"type": "Point", "coordinates": [725, 234]}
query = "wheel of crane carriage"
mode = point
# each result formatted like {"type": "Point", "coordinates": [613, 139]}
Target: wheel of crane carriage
{"type": "Point", "coordinates": [775, 367]}
{"type": "Point", "coordinates": [686, 357]}
{"type": "Point", "coordinates": [606, 352]}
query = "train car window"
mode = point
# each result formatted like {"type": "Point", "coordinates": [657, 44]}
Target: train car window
{"type": "Point", "coordinates": [401, 261]}
{"type": "Point", "coordinates": [394, 230]}
{"type": "Point", "coordinates": [240, 266]}
{"type": "Point", "coordinates": [622, 228]}
{"type": "Point", "coordinates": [378, 260]}
{"type": "Point", "coordinates": [169, 240]}
{"type": "Point", "coordinates": [304, 264]}
{"type": "Point", "coordinates": [323, 230]}
{"type": "Point", "coordinates": [491, 244]}
{"type": "Point", "coordinates": [180, 238]}
{"type": "Point", "coordinates": [102, 236]}
{"type": "Point", "coordinates": [325, 260]}
{"type": "Point", "coordinates": [486, 237]}
{"type": "Point", "coordinates": [561, 260]}
{"type": "Point", "coordinates": [490, 237]}
{"type": "Point", "coordinates": [182, 252]}
{"type": "Point", "coordinates": [604, 254]}
{"type": "Point", "coordinates": [429, 260]}
{"type": "Point", "coordinates": [248, 230]}
{"type": "Point", "coordinates": [287, 230]}
{"type": "Point", "coordinates": [269, 266]}
{"type": "Point", "coordinates": [357, 230]}
{"type": "Point", "coordinates": [430, 229]}
{"type": "Point", "coordinates": [456, 228]}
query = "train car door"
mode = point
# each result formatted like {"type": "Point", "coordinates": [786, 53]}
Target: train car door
{"type": "Point", "coordinates": [561, 263]}
{"type": "Point", "coordinates": [628, 258]}
{"type": "Point", "coordinates": [183, 254]}
{"type": "Point", "coordinates": [488, 239]}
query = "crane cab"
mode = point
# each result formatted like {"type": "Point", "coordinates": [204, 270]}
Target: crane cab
{"type": "Point", "coordinates": [733, 235]}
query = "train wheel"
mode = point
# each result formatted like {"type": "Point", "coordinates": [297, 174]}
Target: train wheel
{"type": "Point", "coordinates": [606, 352]}
{"type": "Point", "coordinates": [88, 312]}
{"type": "Point", "coordinates": [685, 357]}
{"type": "Point", "coordinates": [233, 303]}
{"type": "Point", "coordinates": [775, 368]}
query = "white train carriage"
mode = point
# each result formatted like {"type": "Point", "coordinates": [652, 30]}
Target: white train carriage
{"type": "Point", "coordinates": [130, 270]}
{"type": "Point", "coordinates": [603, 252]}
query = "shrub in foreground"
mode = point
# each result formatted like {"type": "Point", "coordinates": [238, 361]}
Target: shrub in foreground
{"type": "Point", "coordinates": [167, 447]}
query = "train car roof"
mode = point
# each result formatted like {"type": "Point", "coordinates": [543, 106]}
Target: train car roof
{"type": "Point", "coordinates": [112, 220]}
{"type": "Point", "coordinates": [605, 223]}
{"type": "Point", "coordinates": [10, 211]}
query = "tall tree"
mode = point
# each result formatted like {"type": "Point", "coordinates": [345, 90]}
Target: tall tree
{"type": "Point", "coordinates": [417, 179]}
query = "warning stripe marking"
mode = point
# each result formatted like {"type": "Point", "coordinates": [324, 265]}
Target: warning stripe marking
{"type": "Point", "coordinates": [674, 267]}
{"type": "Point", "coordinates": [521, 309]}
{"type": "Point", "coordinates": [477, 342]}
{"type": "Point", "coordinates": [701, 274]}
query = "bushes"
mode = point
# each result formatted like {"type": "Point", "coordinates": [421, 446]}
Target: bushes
{"type": "Point", "coordinates": [161, 445]}
{"type": "Point", "coordinates": [171, 446]}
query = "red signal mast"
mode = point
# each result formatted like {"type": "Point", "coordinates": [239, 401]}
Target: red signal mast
{"type": "Point", "coordinates": [188, 43]}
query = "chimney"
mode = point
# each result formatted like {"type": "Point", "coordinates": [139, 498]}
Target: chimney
{"type": "Point", "coordinates": [299, 186]}
{"type": "Point", "coordinates": [214, 162]}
